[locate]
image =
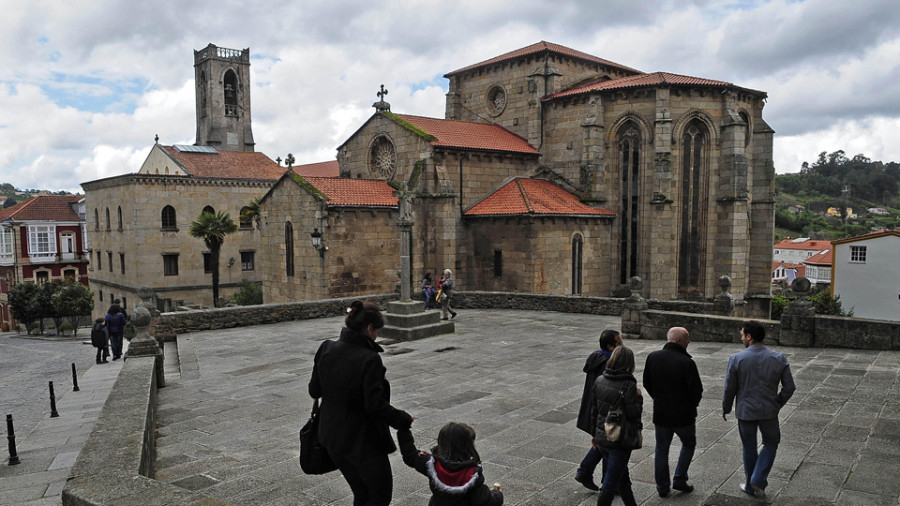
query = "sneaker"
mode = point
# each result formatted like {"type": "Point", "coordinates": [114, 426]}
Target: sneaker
{"type": "Point", "coordinates": [684, 487]}
{"type": "Point", "coordinates": [752, 489]}
{"type": "Point", "coordinates": [586, 480]}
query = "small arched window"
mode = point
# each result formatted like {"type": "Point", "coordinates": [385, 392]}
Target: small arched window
{"type": "Point", "coordinates": [119, 216]}
{"type": "Point", "coordinates": [209, 210]}
{"type": "Point", "coordinates": [246, 218]}
{"type": "Point", "coordinates": [289, 248]}
{"type": "Point", "coordinates": [96, 219]}
{"type": "Point", "coordinates": [168, 218]}
{"type": "Point", "coordinates": [107, 220]}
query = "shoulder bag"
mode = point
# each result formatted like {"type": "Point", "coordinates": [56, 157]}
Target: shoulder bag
{"type": "Point", "coordinates": [314, 458]}
{"type": "Point", "coordinates": [619, 430]}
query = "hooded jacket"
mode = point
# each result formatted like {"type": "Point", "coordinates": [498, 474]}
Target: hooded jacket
{"type": "Point", "coordinates": [606, 393]}
{"type": "Point", "coordinates": [451, 483]}
{"type": "Point", "coordinates": [593, 368]}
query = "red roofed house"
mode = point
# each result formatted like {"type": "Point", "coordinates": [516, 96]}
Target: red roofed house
{"type": "Point", "coordinates": [41, 239]}
{"type": "Point", "coordinates": [818, 267]}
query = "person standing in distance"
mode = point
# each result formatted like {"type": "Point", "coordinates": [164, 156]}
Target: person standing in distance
{"type": "Point", "coordinates": [672, 379]}
{"type": "Point", "coordinates": [446, 294]}
{"type": "Point", "coordinates": [752, 379]}
{"type": "Point", "coordinates": [593, 368]}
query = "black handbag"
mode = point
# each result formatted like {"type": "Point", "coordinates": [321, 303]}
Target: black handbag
{"type": "Point", "coordinates": [314, 458]}
{"type": "Point", "coordinates": [619, 429]}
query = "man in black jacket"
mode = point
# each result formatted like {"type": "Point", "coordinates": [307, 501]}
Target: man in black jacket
{"type": "Point", "coordinates": [672, 379]}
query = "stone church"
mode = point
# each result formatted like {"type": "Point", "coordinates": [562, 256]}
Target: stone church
{"type": "Point", "coordinates": [553, 172]}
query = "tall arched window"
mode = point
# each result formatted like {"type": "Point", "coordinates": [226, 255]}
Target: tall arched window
{"type": "Point", "coordinates": [245, 218]}
{"type": "Point", "coordinates": [695, 145]}
{"type": "Point", "coordinates": [168, 218]}
{"type": "Point", "coordinates": [119, 216]}
{"type": "Point", "coordinates": [230, 90]}
{"type": "Point", "coordinates": [630, 164]}
{"type": "Point", "coordinates": [577, 253]}
{"type": "Point", "coordinates": [289, 248]}
{"type": "Point", "coordinates": [107, 220]}
{"type": "Point", "coordinates": [96, 219]}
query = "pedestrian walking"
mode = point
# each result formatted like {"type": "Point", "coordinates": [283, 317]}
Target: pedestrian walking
{"type": "Point", "coordinates": [593, 368]}
{"type": "Point", "coordinates": [100, 340]}
{"type": "Point", "coordinates": [115, 326]}
{"type": "Point", "coordinates": [671, 378]}
{"type": "Point", "coordinates": [751, 385]}
{"type": "Point", "coordinates": [453, 468]}
{"type": "Point", "coordinates": [356, 411]}
{"type": "Point", "coordinates": [446, 294]}
{"type": "Point", "coordinates": [617, 387]}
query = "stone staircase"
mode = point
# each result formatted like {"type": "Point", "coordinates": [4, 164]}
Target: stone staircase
{"type": "Point", "coordinates": [407, 321]}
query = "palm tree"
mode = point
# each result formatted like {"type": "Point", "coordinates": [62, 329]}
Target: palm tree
{"type": "Point", "coordinates": [250, 213]}
{"type": "Point", "coordinates": [213, 229]}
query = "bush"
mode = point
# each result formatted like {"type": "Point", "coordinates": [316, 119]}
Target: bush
{"type": "Point", "coordinates": [825, 304]}
{"type": "Point", "coordinates": [779, 302]}
{"type": "Point", "coordinates": [248, 294]}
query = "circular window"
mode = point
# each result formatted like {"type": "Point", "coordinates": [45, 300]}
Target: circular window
{"type": "Point", "coordinates": [383, 158]}
{"type": "Point", "coordinates": [496, 99]}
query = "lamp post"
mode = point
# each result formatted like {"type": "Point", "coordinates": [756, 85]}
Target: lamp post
{"type": "Point", "coordinates": [316, 237]}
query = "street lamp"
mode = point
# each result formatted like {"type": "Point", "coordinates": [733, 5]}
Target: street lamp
{"type": "Point", "coordinates": [317, 242]}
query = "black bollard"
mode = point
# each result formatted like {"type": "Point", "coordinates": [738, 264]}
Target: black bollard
{"type": "Point", "coordinates": [74, 378]}
{"type": "Point", "coordinates": [53, 413]}
{"type": "Point", "coordinates": [11, 435]}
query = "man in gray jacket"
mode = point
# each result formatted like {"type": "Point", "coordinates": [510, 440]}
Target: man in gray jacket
{"type": "Point", "coordinates": [752, 378]}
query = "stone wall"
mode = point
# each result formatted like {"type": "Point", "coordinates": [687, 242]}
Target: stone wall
{"type": "Point", "coordinates": [856, 333]}
{"type": "Point", "coordinates": [702, 327]}
{"type": "Point", "coordinates": [116, 464]}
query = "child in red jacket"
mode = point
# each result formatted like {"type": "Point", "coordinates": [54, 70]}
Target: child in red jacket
{"type": "Point", "coordinates": [453, 469]}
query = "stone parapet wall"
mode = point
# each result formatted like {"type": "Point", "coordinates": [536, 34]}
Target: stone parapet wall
{"type": "Point", "coordinates": [855, 333]}
{"type": "Point", "coordinates": [116, 464]}
{"type": "Point", "coordinates": [703, 328]}
{"type": "Point", "coordinates": [533, 302]}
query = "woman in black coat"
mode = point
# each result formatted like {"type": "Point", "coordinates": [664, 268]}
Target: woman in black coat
{"type": "Point", "coordinates": [617, 382]}
{"type": "Point", "coordinates": [356, 411]}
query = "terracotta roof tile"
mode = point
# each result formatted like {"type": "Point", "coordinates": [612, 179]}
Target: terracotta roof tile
{"type": "Point", "coordinates": [227, 164]}
{"type": "Point", "coordinates": [871, 235]}
{"type": "Point", "coordinates": [320, 169]}
{"type": "Point", "coordinates": [343, 191]}
{"type": "Point", "coordinates": [821, 258]}
{"type": "Point", "coordinates": [807, 245]}
{"type": "Point", "coordinates": [468, 135]}
{"type": "Point", "coordinates": [45, 208]}
{"type": "Point", "coordinates": [532, 197]}
{"type": "Point", "coordinates": [538, 48]}
{"type": "Point", "coordinates": [655, 79]}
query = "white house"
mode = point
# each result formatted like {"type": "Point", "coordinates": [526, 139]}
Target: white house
{"type": "Point", "coordinates": [865, 274]}
{"type": "Point", "coordinates": [818, 267]}
{"type": "Point", "coordinates": [796, 251]}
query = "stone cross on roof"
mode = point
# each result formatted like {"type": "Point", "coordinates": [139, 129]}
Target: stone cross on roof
{"type": "Point", "coordinates": [381, 105]}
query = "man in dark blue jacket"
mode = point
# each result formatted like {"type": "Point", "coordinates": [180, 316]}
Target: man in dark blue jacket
{"type": "Point", "coordinates": [672, 379]}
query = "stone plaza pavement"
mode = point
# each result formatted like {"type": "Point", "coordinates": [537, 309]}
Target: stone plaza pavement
{"type": "Point", "coordinates": [228, 424]}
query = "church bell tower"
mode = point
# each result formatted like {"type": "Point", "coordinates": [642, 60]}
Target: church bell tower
{"type": "Point", "coordinates": [222, 83]}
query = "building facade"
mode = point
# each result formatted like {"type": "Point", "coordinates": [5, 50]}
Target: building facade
{"type": "Point", "coordinates": [865, 275]}
{"type": "Point", "coordinates": [42, 239]}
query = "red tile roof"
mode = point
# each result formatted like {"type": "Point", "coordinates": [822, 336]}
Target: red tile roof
{"type": "Point", "coordinates": [467, 135]}
{"type": "Point", "coordinates": [344, 191]}
{"type": "Point", "coordinates": [540, 47]}
{"type": "Point", "coordinates": [44, 208]}
{"type": "Point", "coordinates": [806, 245]}
{"type": "Point", "coordinates": [800, 268]}
{"type": "Point", "coordinates": [227, 164]}
{"type": "Point", "coordinates": [320, 169]}
{"type": "Point", "coordinates": [821, 258]}
{"type": "Point", "coordinates": [532, 197]}
{"type": "Point", "coordinates": [656, 79]}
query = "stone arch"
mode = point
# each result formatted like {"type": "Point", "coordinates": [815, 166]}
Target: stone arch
{"type": "Point", "coordinates": [748, 118]}
{"type": "Point", "coordinates": [644, 125]}
{"type": "Point", "coordinates": [682, 122]}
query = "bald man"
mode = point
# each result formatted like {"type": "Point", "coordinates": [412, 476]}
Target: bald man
{"type": "Point", "coordinates": [672, 379]}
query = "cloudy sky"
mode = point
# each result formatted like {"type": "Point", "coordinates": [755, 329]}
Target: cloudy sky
{"type": "Point", "coordinates": [86, 84]}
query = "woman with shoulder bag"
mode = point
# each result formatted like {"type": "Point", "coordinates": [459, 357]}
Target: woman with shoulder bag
{"type": "Point", "coordinates": [356, 406]}
{"type": "Point", "coordinates": [617, 391]}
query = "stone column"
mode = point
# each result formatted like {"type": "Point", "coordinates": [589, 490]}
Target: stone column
{"type": "Point", "coordinates": [145, 345]}
{"type": "Point", "coordinates": [798, 322]}
{"type": "Point", "coordinates": [632, 308]}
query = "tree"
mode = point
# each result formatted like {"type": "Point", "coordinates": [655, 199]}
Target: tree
{"type": "Point", "coordinates": [250, 214]}
{"type": "Point", "coordinates": [23, 303]}
{"type": "Point", "coordinates": [45, 304]}
{"type": "Point", "coordinates": [248, 294]}
{"type": "Point", "coordinates": [213, 229]}
{"type": "Point", "coordinates": [72, 301]}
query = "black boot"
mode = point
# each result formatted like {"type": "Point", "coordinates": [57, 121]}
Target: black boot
{"type": "Point", "coordinates": [605, 498]}
{"type": "Point", "coordinates": [627, 495]}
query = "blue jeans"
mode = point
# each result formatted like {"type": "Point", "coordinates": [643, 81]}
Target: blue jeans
{"type": "Point", "coordinates": [616, 468]}
{"type": "Point", "coordinates": [688, 437]}
{"type": "Point", "coordinates": [758, 465]}
{"type": "Point", "coordinates": [589, 463]}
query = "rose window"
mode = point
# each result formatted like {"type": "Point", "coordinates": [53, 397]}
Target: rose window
{"type": "Point", "coordinates": [383, 160]}
{"type": "Point", "coordinates": [496, 100]}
